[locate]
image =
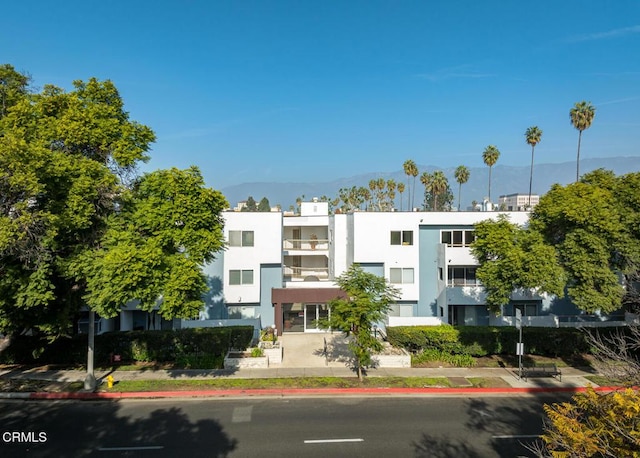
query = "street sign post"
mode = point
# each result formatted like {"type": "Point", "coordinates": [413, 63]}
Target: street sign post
{"type": "Point", "coordinates": [520, 346]}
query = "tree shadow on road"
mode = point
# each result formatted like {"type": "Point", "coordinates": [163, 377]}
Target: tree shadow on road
{"type": "Point", "coordinates": [444, 447]}
{"type": "Point", "coordinates": [83, 429]}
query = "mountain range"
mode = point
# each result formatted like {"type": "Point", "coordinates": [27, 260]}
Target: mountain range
{"type": "Point", "coordinates": [504, 180]}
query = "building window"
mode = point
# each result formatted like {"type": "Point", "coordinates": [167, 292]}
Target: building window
{"type": "Point", "coordinates": [459, 238]}
{"type": "Point", "coordinates": [462, 276]}
{"type": "Point", "coordinates": [240, 238]}
{"type": "Point", "coordinates": [526, 308]}
{"type": "Point", "coordinates": [241, 277]}
{"type": "Point", "coordinates": [401, 237]}
{"type": "Point", "coordinates": [401, 276]}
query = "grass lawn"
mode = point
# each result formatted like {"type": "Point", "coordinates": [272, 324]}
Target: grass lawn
{"type": "Point", "coordinates": [278, 383]}
{"type": "Point", "coordinates": [296, 383]}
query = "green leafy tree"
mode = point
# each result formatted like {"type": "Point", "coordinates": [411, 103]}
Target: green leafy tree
{"type": "Point", "coordinates": [264, 205]}
{"type": "Point", "coordinates": [353, 198]}
{"type": "Point", "coordinates": [533, 135]}
{"type": "Point", "coordinates": [462, 175]}
{"type": "Point", "coordinates": [76, 225]}
{"type": "Point", "coordinates": [588, 225]}
{"type": "Point", "coordinates": [13, 87]}
{"type": "Point", "coordinates": [368, 299]}
{"type": "Point", "coordinates": [581, 115]}
{"type": "Point", "coordinates": [251, 205]}
{"type": "Point", "coordinates": [490, 157]}
{"type": "Point", "coordinates": [592, 237]}
{"type": "Point", "coordinates": [169, 225]}
{"type": "Point", "coordinates": [512, 258]}
{"type": "Point", "coordinates": [64, 162]}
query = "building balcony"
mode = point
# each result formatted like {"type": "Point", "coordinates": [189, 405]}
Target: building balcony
{"type": "Point", "coordinates": [299, 274]}
{"type": "Point", "coordinates": [306, 245]}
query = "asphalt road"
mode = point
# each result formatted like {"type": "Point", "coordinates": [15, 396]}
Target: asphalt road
{"type": "Point", "coordinates": [258, 427]}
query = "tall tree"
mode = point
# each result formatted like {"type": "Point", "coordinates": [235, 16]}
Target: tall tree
{"type": "Point", "coordinates": [586, 233]}
{"type": "Point", "coordinates": [411, 170]}
{"type": "Point", "coordinates": [439, 185]}
{"type": "Point", "coordinates": [167, 227]}
{"type": "Point", "coordinates": [462, 176]}
{"type": "Point", "coordinates": [13, 87]}
{"type": "Point", "coordinates": [251, 205]}
{"type": "Point", "coordinates": [533, 135]}
{"type": "Point", "coordinates": [593, 228]}
{"type": "Point", "coordinates": [490, 157]}
{"type": "Point", "coordinates": [391, 194]}
{"type": "Point", "coordinates": [368, 298]}
{"type": "Point", "coordinates": [511, 258]}
{"type": "Point", "coordinates": [63, 157]}
{"type": "Point", "coordinates": [401, 191]}
{"type": "Point", "coordinates": [581, 115]}
{"type": "Point", "coordinates": [264, 205]}
{"type": "Point", "coordinates": [425, 179]}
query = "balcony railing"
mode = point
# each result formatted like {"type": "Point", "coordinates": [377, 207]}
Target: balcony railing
{"type": "Point", "coordinates": [306, 273]}
{"type": "Point", "coordinates": [306, 244]}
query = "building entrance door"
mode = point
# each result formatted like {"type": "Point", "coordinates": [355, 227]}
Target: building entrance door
{"type": "Point", "coordinates": [313, 313]}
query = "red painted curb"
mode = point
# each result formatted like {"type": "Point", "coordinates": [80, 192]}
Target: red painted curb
{"type": "Point", "coordinates": [312, 392]}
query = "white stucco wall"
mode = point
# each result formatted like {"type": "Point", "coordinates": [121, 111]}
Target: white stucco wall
{"type": "Point", "coordinates": [372, 244]}
{"type": "Point", "coordinates": [267, 249]}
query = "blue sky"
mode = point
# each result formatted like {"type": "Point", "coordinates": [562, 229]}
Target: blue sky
{"type": "Point", "coordinates": [316, 90]}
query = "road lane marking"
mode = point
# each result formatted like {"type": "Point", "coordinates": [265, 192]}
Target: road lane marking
{"type": "Point", "coordinates": [521, 436]}
{"type": "Point", "coordinates": [331, 441]}
{"type": "Point", "coordinates": [124, 449]}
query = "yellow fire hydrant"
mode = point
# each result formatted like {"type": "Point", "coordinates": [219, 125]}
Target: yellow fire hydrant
{"type": "Point", "coordinates": [110, 380]}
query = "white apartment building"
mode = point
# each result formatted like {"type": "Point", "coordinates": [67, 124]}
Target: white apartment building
{"type": "Point", "coordinates": [517, 202]}
{"type": "Point", "coordinates": [280, 270]}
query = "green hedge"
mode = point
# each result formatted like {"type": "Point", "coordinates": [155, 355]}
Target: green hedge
{"type": "Point", "coordinates": [133, 346]}
{"type": "Point", "coordinates": [490, 340]}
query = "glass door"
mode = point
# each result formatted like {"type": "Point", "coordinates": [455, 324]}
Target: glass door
{"type": "Point", "coordinates": [312, 313]}
{"type": "Point", "coordinates": [310, 316]}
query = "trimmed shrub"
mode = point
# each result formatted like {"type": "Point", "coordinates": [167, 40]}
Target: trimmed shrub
{"type": "Point", "coordinates": [490, 340]}
{"type": "Point", "coordinates": [183, 345]}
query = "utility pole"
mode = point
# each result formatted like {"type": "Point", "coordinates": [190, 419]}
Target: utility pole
{"type": "Point", "coordinates": [90, 380]}
{"type": "Point", "coordinates": [520, 345]}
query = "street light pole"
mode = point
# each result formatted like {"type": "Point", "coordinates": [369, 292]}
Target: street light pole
{"type": "Point", "coordinates": [90, 379]}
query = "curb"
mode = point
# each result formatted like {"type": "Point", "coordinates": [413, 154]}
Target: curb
{"type": "Point", "coordinates": [297, 392]}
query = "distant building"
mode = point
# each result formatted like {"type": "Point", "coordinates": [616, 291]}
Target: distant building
{"type": "Point", "coordinates": [517, 202]}
{"type": "Point", "coordinates": [242, 204]}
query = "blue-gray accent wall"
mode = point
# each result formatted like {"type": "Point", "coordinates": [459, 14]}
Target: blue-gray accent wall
{"type": "Point", "coordinates": [214, 304]}
{"type": "Point", "coordinates": [270, 277]}
{"type": "Point", "coordinates": [428, 239]}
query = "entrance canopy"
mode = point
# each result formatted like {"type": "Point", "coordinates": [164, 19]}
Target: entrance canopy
{"type": "Point", "coordinates": [281, 296]}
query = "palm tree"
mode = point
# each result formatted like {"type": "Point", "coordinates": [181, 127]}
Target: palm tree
{"type": "Point", "coordinates": [391, 193]}
{"type": "Point", "coordinates": [490, 157]}
{"type": "Point", "coordinates": [582, 115]}
{"type": "Point", "coordinates": [462, 176]}
{"type": "Point", "coordinates": [400, 190]}
{"type": "Point", "coordinates": [425, 179]}
{"type": "Point", "coordinates": [439, 185]}
{"type": "Point", "coordinates": [411, 169]}
{"type": "Point", "coordinates": [533, 136]}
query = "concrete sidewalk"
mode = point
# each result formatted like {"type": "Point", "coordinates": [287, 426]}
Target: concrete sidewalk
{"type": "Point", "coordinates": [304, 356]}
